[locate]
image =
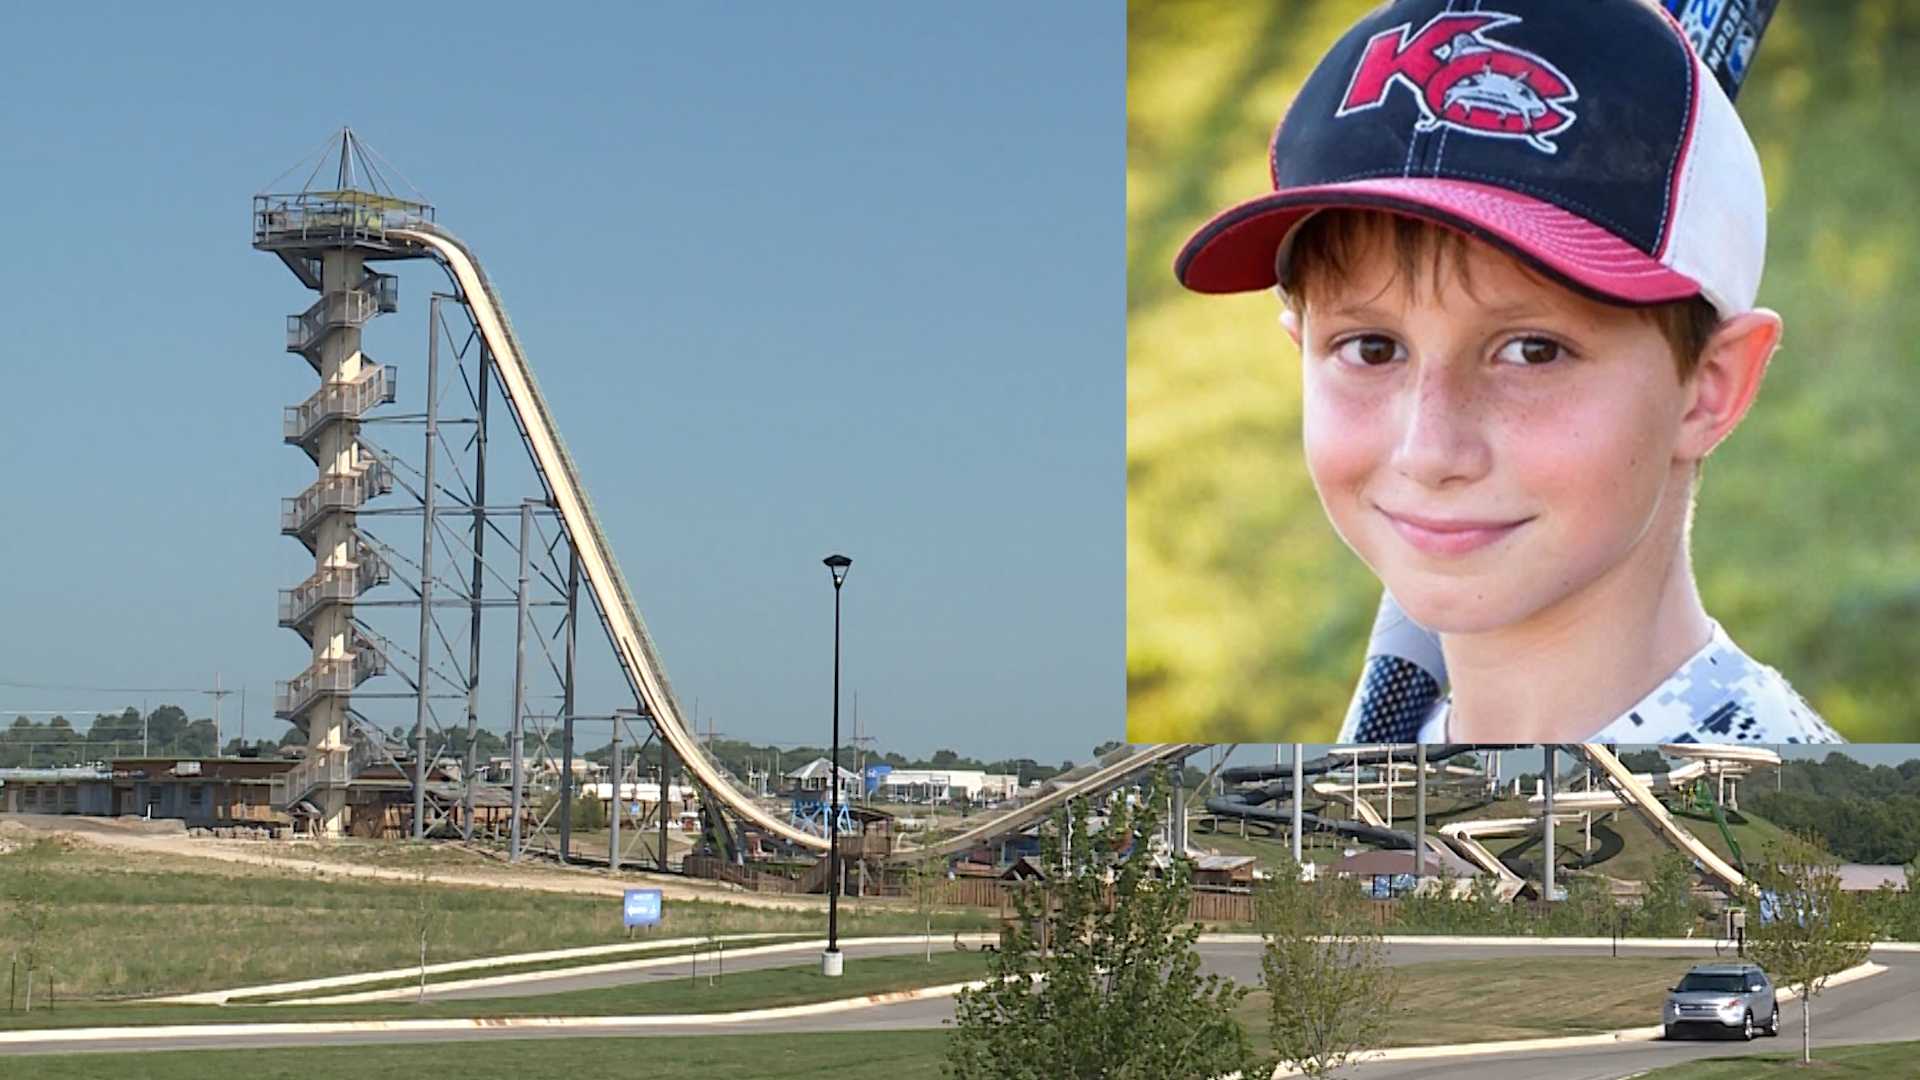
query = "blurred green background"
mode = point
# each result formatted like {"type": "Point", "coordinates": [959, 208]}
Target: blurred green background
{"type": "Point", "coordinates": [1247, 619]}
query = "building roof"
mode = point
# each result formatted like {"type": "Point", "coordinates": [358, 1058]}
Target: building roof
{"type": "Point", "coordinates": [1372, 863]}
{"type": "Point", "coordinates": [1025, 868]}
{"type": "Point", "coordinates": [1866, 877]}
{"type": "Point", "coordinates": [1227, 863]}
{"type": "Point", "coordinates": [207, 768]}
{"type": "Point", "coordinates": [818, 768]}
{"type": "Point", "coordinates": [74, 772]}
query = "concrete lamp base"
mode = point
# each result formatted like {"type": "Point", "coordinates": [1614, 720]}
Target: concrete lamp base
{"type": "Point", "coordinates": [832, 962]}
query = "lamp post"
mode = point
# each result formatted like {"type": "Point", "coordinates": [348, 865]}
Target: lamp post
{"type": "Point", "coordinates": [832, 963]}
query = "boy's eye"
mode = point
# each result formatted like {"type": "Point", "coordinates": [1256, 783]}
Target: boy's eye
{"type": "Point", "coordinates": [1369, 350]}
{"type": "Point", "coordinates": [1531, 351]}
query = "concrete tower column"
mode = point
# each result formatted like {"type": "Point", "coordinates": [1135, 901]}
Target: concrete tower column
{"type": "Point", "coordinates": [340, 361]}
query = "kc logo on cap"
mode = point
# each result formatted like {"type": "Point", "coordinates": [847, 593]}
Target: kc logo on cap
{"type": "Point", "coordinates": [1464, 81]}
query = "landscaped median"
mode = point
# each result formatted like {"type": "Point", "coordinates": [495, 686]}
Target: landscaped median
{"type": "Point", "coordinates": [551, 960]}
{"type": "Point", "coordinates": [763, 993]}
{"type": "Point", "coordinates": [1865, 1061]}
{"type": "Point", "coordinates": [864, 1055]}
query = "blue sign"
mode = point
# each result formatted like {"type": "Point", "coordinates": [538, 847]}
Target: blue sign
{"type": "Point", "coordinates": [642, 907]}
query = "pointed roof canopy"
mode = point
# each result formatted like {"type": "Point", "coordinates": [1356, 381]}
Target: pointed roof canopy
{"type": "Point", "coordinates": [344, 169]}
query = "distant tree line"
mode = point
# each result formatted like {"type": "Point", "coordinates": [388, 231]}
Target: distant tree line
{"type": "Point", "coordinates": [168, 732]}
{"type": "Point", "coordinates": [171, 733]}
{"type": "Point", "coordinates": [1861, 813]}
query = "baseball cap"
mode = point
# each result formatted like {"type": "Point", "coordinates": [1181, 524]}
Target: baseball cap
{"type": "Point", "coordinates": [1584, 137]}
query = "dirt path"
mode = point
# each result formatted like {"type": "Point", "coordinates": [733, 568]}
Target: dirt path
{"type": "Point", "coordinates": [131, 836]}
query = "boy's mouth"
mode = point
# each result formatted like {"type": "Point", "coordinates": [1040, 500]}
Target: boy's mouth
{"type": "Point", "coordinates": [1449, 536]}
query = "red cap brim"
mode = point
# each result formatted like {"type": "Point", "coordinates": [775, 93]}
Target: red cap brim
{"type": "Point", "coordinates": [1235, 251]}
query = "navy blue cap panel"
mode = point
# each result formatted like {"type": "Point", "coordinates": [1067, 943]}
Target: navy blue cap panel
{"type": "Point", "coordinates": [1585, 104]}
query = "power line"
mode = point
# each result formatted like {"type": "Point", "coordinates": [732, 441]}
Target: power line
{"type": "Point", "coordinates": [104, 689]}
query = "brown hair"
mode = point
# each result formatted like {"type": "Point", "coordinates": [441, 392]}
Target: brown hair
{"type": "Point", "coordinates": [1328, 244]}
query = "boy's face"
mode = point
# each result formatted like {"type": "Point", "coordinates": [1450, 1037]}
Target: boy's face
{"type": "Point", "coordinates": [1490, 453]}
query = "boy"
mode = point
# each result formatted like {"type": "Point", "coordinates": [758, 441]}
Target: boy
{"type": "Point", "coordinates": [1519, 251]}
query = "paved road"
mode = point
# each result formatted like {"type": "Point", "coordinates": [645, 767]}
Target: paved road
{"type": "Point", "coordinates": [1885, 1007]}
{"type": "Point", "coordinates": [1237, 961]}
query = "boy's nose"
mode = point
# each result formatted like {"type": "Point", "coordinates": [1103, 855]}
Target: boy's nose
{"type": "Point", "coordinates": [1442, 441]}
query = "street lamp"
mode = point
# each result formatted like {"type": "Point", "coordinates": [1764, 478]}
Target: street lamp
{"type": "Point", "coordinates": [831, 962]}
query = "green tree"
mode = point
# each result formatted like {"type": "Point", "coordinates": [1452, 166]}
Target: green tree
{"type": "Point", "coordinates": [1330, 991]}
{"type": "Point", "coordinates": [924, 877]}
{"type": "Point", "coordinates": [1808, 927]}
{"type": "Point", "coordinates": [1100, 977]}
{"type": "Point", "coordinates": [427, 914]}
{"type": "Point", "coordinates": [28, 891]}
{"type": "Point", "coordinates": [1645, 761]}
{"type": "Point", "coordinates": [1667, 907]}
{"type": "Point", "coordinates": [1588, 910]}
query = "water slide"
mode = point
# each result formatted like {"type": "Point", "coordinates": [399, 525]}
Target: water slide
{"type": "Point", "coordinates": [1264, 803]}
{"type": "Point", "coordinates": [1362, 807]}
{"type": "Point", "coordinates": [1638, 794]}
{"type": "Point", "coordinates": [1282, 815]}
{"type": "Point", "coordinates": [614, 600]}
{"type": "Point", "coordinates": [1110, 772]}
{"type": "Point", "coordinates": [1465, 837]}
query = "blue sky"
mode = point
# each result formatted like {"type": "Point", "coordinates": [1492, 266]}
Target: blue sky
{"type": "Point", "coordinates": [795, 279]}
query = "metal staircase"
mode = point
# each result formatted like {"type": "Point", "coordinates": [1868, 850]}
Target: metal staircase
{"type": "Point", "coordinates": [346, 400]}
{"type": "Point", "coordinates": [300, 515]}
{"type": "Point", "coordinates": [328, 677]}
{"type": "Point", "coordinates": [332, 585]}
{"type": "Point", "coordinates": [377, 294]}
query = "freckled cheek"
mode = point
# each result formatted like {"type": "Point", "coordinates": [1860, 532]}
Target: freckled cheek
{"type": "Point", "coordinates": [1595, 466]}
{"type": "Point", "coordinates": [1346, 437]}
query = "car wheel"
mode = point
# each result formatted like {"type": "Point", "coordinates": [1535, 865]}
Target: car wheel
{"type": "Point", "coordinates": [1746, 1027]}
{"type": "Point", "coordinates": [1773, 1024]}
{"type": "Point", "coordinates": [1669, 1033]}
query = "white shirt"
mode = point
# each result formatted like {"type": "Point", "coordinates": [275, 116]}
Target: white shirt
{"type": "Point", "coordinates": [1719, 695]}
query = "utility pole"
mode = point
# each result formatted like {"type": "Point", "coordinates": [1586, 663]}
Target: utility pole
{"type": "Point", "coordinates": [1298, 775]}
{"type": "Point", "coordinates": [1419, 813]}
{"type": "Point", "coordinates": [1546, 825]}
{"type": "Point", "coordinates": [1389, 778]}
{"type": "Point", "coordinates": [860, 740]}
{"type": "Point", "coordinates": [217, 695]}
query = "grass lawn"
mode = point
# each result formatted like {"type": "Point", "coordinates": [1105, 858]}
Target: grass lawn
{"type": "Point", "coordinates": [702, 950]}
{"type": "Point", "coordinates": [133, 925]}
{"type": "Point", "coordinates": [1640, 847]}
{"type": "Point", "coordinates": [1457, 1001]}
{"type": "Point", "coordinates": [763, 988]}
{"type": "Point", "coordinates": [875, 1055]}
{"type": "Point", "coordinates": [1869, 1061]}
{"type": "Point", "coordinates": [1268, 850]}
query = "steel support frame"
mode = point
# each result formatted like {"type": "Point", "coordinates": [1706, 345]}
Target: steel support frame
{"type": "Point", "coordinates": [436, 660]}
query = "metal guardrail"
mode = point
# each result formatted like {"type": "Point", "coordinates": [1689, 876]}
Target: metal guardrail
{"type": "Point", "coordinates": [305, 218]}
{"type": "Point", "coordinates": [331, 768]}
{"type": "Point", "coordinates": [331, 493]}
{"type": "Point", "coordinates": [351, 307]}
{"type": "Point", "coordinates": [377, 384]}
{"type": "Point", "coordinates": [291, 698]}
{"type": "Point", "coordinates": [334, 584]}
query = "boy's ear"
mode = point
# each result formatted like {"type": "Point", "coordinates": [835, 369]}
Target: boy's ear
{"type": "Point", "coordinates": [1727, 378]}
{"type": "Point", "coordinates": [1290, 319]}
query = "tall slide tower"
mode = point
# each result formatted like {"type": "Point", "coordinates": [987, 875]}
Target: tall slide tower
{"type": "Point", "coordinates": [327, 233]}
{"type": "Point", "coordinates": [326, 238]}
